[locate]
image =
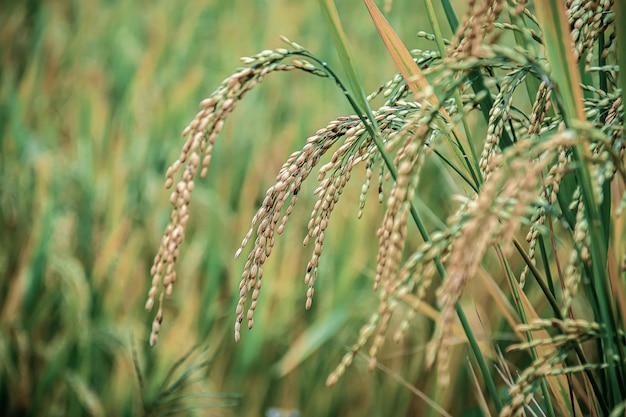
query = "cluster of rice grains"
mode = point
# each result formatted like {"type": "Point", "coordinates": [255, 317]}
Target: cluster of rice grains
{"type": "Point", "coordinates": [196, 154]}
{"type": "Point", "coordinates": [270, 219]}
{"type": "Point", "coordinates": [356, 148]}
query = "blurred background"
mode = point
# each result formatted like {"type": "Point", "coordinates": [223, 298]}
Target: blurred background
{"type": "Point", "coordinates": [93, 97]}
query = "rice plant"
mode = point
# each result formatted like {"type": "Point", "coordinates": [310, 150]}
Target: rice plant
{"type": "Point", "coordinates": [521, 111]}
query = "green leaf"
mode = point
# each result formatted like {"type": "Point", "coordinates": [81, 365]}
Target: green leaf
{"type": "Point", "coordinates": [401, 56]}
{"type": "Point", "coordinates": [309, 341]}
{"type": "Point", "coordinates": [343, 51]}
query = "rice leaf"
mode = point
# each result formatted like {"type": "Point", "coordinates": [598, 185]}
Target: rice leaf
{"type": "Point", "coordinates": [340, 41]}
{"type": "Point", "coordinates": [309, 341]}
{"type": "Point", "coordinates": [402, 57]}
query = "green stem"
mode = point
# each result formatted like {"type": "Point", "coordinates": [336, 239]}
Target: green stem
{"type": "Point", "coordinates": [489, 382]}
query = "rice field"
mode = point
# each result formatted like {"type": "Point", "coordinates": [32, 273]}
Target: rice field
{"type": "Point", "coordinates": [93, 99]}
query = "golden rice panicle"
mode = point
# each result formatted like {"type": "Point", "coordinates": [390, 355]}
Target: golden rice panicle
{"type": "Point", "coordinates": [609, 44]}
{"type": "Point", "coordinates": [477, 23]}
{"type": "Point", "coordinates": [392, 239]}
{"type": "Point", "coordinates": [328, 193]}
{"type": "Point", "coordinates": [556, 174]}
{"type": "Point", "coordinates": [195, 157]}
{"type": "Point", "coordinates": [569, 330]}
{"type": "Point", "coordinates": [613, 113]}
{"type": "Point", "coordinates": [390, 124]}
{"type": "Point", "coordinates": [588, 20]}
{"type": "Point", "coordinates": [521, 198]}
{"type": "Point", "coordinates": [271, 218]}
{"type": "Point", "coordinates": [407, 318]}
{"type": "Point", "coordinates": [392, 232]}
{"type": "Point", "coordinates": [196, 154]}
{"type": "Point", "coordinates": [541, 107]}
{"type": "Point", "coordinates": [156, 323]}
{"type": "Point", "coordinates": [357, 147]}
{"type": "Point", "coordinates": [475, 233]}
{"type": "Point", "coordinates": [416, 276]}
{"type": "Point", "coordinates": [163, 271]}
{"type": "Point", "coordinates": [366, 185]}
{"type": "Point", "coordinates": [494, 215]}
{"type": "Point", "coordinates": [385, 310]}
{"type": "Point", "coordinates": [553, 178]}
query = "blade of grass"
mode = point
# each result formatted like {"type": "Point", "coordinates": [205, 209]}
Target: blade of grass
{"type": "Point", "coordinates": [415, 79]}
{"type": "Point", "coordinates": [309, 341]}
{"type": "Point", "coordinates": [402, 58]}
{"type": "Point", "coordinates": [480, 396]}
{"type": "Point", "coordinates": [343, 51]}
{"type": "Point", "coordinates": [453, 21]}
